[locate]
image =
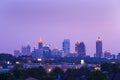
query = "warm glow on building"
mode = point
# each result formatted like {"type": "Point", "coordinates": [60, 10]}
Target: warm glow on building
{"type": "Point", "coordinates": [77, 43]}
{"type": "Point", "coordinates": [97, 68]}
{"type": "Point", "coordinates": [40, 41]}
{"type": "Point", "coordinates": [107, 51]}
{"type": "Point", "coordinates": [99, 39]}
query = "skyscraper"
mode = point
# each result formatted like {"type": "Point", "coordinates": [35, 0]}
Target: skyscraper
{"type": "Point", "coordinates": [118, 56]}
{"type": "Point", "coordinates": [76, 48]}
{"type": "Point", "coordinates": [99, 52]}
{"type": "Point", "coordinates": [81, 50]}
{"type": "Point", "coordinates": [26, 50]}
{"type": "Point", "coordinates": [38, 52]}
{"type": "Point", "coordinates": [66, 46]}
{"type": "Point", "coordinates": [47, 51]}
{"type": "Point", "coordinates": [23, 50]}
{"type": "Point", "coordinates": [57, 53]}
{"type": "Point", "coordinates": [40, 44]}
{"type": "Point", "coordinates": [17, 53]}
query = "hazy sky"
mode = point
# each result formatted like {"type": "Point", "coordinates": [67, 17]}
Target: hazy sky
{"type": "Point", "coordinates": [23, 21]}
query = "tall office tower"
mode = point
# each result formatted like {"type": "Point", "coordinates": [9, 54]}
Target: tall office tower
{"type": "Point", "coordinates": [81, 50]}
{"type": "Point", "coordinates": [118, 56]}
{"type": "Point", "coordinates": [66, 46]}
{"type": "Point", "coordinates": [47, 51]}
{"type": "Point", "coordinates": [40, 44]}
{"type": "Point", "coordinates": [76, 48]}
{"type": "Point", "coordinates": [17, 53]}
{"type": "Point", "coordinates": [23, 50]}
{"type": "Point", "coordinates": [37, 53]}
{"type": "Point", "coordinates": [99, 52]}
{"type": "Point", "coordinates": [26, 50]}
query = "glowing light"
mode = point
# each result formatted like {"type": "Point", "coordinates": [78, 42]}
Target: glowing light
{"type": "Point", "coordinates": [107, 51]}
{"type": "Point", "coordinates": [39, 59]}
{"type": "Point", "coordinates": [113, 62]}
{"type": "Point", "coordinates": [82, 62]}
{"type": "Point", "coordinates": [97, 68]}
{"type": "Point", "coordinates": [76, 67]}
{"type": "Point", "coordinates": [17, 62]}
{"type": "Point", "coordinates": [40, 41]}
{"type": "Point", "coordinates": [49, 70]}
{"type": "Point", "coordinates": [8, 62]}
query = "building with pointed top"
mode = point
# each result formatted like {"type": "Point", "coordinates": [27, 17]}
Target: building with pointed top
{"type": "Point", "coordinates": [38, 52]}
{"type": "Point", "coordinates": [40, 44]}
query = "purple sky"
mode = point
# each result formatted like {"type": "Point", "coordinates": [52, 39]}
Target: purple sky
{"type": "Point", "coordinates": [23, 21]}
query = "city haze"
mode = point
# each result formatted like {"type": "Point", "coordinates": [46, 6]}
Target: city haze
{"type": "Point", "coordinates": [23, 22]}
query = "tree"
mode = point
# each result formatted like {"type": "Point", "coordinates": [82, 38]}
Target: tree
{"type": "Point", "coordinates": [111, 67]}
{"type": "Point", "coordinates": [6, 76]}
{"type": "Point", "coordinates": [56, 71]}
{"type": "Point", "coordinates": [6, 57]}
{"type": "Point", "coordinates": [36, 72]}
{"type": "Point", "coordinates": [69, 71]}
{"type": "Point", "coordinates": [84, 70]}
{"type": "Point", "coordinates": [98, 75]}
{"type": "Point", "coordinates": [19, 73]}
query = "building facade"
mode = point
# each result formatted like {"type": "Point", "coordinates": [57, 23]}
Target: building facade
{"type": "Point", "coordinates": [99, 52]}
{"type": "Point", "coordinates": [17, 53]}
{"type": "Point", "coordinates": [26, 50]}
{"type": "Point", "coordinates": [80, 49]}
{"type": "Point", "coordinates": [107, 54]}
{"type": "Point", "coordinates": [47, 52]}
{"type": "Point", "coordinates": [40, 44]}
{"type": "Point", "coordinates": [66, 46]}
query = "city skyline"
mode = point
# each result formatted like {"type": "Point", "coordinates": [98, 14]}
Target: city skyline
{"type": "Point", "coordinates": [79, 48]}
{"type": "Point", "coordinates": [81, 20]}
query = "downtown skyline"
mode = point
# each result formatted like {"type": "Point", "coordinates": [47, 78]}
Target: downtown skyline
{"type": "Point", "coordinates": [83, 21]}
{"type": "Point", "coordinates": [66, 48]}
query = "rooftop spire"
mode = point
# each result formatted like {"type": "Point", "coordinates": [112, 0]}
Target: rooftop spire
{"type": "Point", "coordinates": [40, 41]}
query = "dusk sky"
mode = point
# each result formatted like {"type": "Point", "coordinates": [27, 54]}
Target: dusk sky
{"type": "Point", "coordinates": [25, 21]}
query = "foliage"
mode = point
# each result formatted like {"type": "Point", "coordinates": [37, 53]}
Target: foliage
{"type": "Point", "coordinates": [6, 76]}
{"type": "Point", "coordinates": [56, 71]}
{"type": "Point", "coordinates": [19, 73]}
{"type": "Point", "coordinates": [98, 75]}
{"type": "Point", "coordinates": [110, 67]}
{"type": "Point", "coordinates": [36, 72]}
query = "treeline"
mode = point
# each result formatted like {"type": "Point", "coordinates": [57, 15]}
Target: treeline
{"type": "Point", "coordinates": [108, 72]}
{"type": "Point", "coordinates": [39, 73]}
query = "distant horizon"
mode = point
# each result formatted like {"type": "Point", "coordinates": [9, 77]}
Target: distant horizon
{"type": "Point", "coordinates": [25, 21]}
{"type": "Point", "coordinates": [51, 47]}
